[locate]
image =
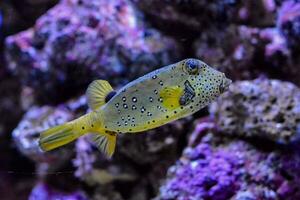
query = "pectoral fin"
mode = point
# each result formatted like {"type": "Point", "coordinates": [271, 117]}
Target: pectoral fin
{"type": "Point", "coordinates": [106, 142]}
{"type": "Point", "coordinates": [98, 93]}
{"type": "Point", "coordinates": [171, 96]}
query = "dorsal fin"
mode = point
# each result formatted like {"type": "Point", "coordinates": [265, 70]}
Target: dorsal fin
{"type": "Point", "coordinates": [98, 93]}
{"type": "Point", "coordinates": [170, 96]}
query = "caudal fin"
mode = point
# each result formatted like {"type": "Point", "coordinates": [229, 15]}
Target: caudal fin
{"type": "Point", "coordinates": [57, 136]}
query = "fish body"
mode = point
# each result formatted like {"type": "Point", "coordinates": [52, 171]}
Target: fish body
{"type": "Point", "coordinates": [157, 98]}
{"type": "Point", "coordinates": [139, 105]}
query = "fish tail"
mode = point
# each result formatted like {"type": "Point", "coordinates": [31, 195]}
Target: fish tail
{"type": "Point", "coordinates": [63, 134]}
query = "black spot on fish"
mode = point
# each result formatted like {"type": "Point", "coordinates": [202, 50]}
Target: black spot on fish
{"type": "Point", "coordinates": [150, 99]}
{"type": "Point", "coordinates": [117, 105]}
{"type": "Point", "coordinates": [133, 107]}
{"type": "Point", "coordinates": [161, 83]}
{"type": "Point", "coordinates": [82, 128]}
{"type": "Point", "coordinates": [134, 99]}
{"type": "Point", "coordinates": [154, 77]}
{"type": "Point", "coordinates": [109, 96]}
{"type": "Point", "coordinates": [143, 109]}
{"type": "Point", "coordinates": [123, 99]}
{"type": "Point", "coordinates": [125, 106]}
{"type": "Point", "coordinates": [155, 92]}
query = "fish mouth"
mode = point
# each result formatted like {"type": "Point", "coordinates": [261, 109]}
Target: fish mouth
{"type": "Point", "coordinates": [224, 86]}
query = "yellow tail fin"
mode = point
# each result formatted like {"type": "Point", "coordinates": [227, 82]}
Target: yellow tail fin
{"type": "Point", "coordinates": [63, 134]}
{"type": "Point", "coordinates": [57, 136]}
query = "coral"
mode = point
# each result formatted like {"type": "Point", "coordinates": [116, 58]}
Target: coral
{"type": "Point", "coordinates": [288, 22]}
{"type": "Point", "coordinates": [77, 41]}
{"type": "Point", "coordinates": [235, 153]}
{"type": "Point", "coordinates": [44, 192]}
{"type": "Point", "coordinates": [221, 169]}
{"type": "Point", "coordinates": [38, 119]}
{"type": "Point", "coordinates": [260, 108]}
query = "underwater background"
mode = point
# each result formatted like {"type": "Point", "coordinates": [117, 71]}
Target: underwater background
{"type": "Point", "coordinates": [244, 146]}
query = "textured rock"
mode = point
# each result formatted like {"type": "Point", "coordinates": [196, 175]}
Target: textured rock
{"type": "Point", "coordinates": [260, 108]}
{"type": "Point", "coordinates": [221, 169]}
{"type": "Point", "coordinates": [145, 158]}
{"type": "Point", "coordinates": [78, 41]}
{"type": "Point", "coordinates": [38, 119]}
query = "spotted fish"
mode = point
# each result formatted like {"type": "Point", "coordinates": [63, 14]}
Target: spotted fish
{"type": "Point", "coordinates": [164, 95]}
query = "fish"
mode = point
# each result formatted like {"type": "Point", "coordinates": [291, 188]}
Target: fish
{"type": "Point", "coordinates": [153, 100]}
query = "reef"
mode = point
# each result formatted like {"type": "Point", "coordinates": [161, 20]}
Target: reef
{"type": "Point", "coordinates": [78, 41]}
{"type": "Point", "coordinates": [260, 108]}
{"type": "Point", "coordinates": [243, 146]}
{"type": "Point", "coordinates": [221, 169]}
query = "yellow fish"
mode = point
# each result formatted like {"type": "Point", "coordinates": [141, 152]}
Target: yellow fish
{"type": "Point", "coordinates": [157, 98]}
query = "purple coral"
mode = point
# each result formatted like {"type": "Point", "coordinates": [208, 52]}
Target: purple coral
{"type": "Point", "coordinates": [222, 169]}
{"type": "Point", "coordinates": [288, 22]}
{"type": "Point", "coordinates": [84, 157]}
{"type": "Point", "coordinates": [44, 192]}
{"type": "Point", "coordinates": [203, 173]}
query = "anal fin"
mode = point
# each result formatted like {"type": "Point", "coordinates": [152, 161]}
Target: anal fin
{"type": "Point", "coordinates": [106, 142]}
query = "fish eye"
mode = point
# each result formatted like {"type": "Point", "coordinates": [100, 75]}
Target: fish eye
{"type": "Point", "coordinates": [192, 66]}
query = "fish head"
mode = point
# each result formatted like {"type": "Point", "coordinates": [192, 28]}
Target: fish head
{"type": "Point", "coordinates": [203, 82]}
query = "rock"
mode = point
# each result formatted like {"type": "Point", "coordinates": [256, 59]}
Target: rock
{"type": "Point", "coordinates": [78, 41]}
{"type": "Point", "coordinates": [38, 119]}
{"type": "Point", "coordinates": [145, 158]}
{"type": "Point", "coordinates": [262, 108]}
{"type": "Point", "coordinates": [221, 169]}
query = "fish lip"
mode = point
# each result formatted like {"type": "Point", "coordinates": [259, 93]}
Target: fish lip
{"type": "Point", "coordinates": [224, 86]}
